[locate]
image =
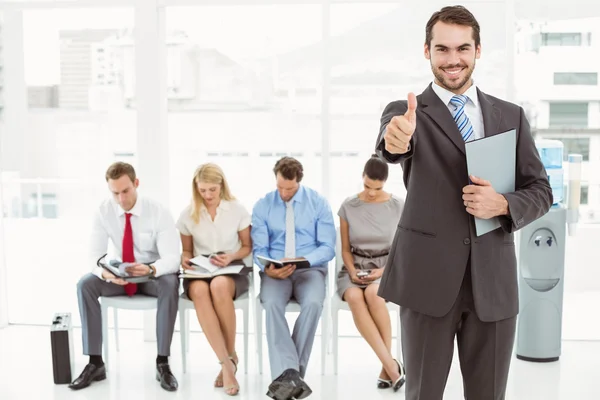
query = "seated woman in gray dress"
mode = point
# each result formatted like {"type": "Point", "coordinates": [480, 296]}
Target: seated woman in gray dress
{"type": "Point", "coordinates": [216, 224]}
{"type": "Point", "coordinates": [368, 223]}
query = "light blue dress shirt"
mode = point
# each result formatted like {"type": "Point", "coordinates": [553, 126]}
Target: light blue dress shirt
{"type": "Point", "coordinates": [315, 229]}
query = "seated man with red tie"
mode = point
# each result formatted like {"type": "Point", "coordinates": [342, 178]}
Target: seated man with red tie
{"type": "Point", "coordinates": [143, 233]}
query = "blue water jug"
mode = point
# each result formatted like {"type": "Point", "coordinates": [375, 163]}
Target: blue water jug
{"type": "Point", "coordinates": [551, 153]}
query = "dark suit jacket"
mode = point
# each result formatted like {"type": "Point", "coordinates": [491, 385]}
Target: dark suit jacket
{"type": "Point", "coordinates": [436, 236]}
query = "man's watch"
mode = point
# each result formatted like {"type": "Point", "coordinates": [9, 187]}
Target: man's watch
{"type": "Point", "coordinates": [152, 270]}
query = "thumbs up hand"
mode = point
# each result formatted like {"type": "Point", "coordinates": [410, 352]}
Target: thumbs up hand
{"type": "Point", "coordinates": [401, 128]}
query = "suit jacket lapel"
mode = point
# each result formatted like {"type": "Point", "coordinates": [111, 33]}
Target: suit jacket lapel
{"type": "Point", "coordinates": [439, 113]}
{"type": "Point", "coordinates": [491, 114]}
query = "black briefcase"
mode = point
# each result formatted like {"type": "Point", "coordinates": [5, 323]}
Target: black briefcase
{"type": "Point", "coordinates": [62, 347]}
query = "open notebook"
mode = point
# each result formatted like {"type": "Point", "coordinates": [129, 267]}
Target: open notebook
{"type": "Point", "coordinates": [299, 262]}
{"type": "Point", "coordinates": [203, 268]}
{"type": "Point", "coordinates": [117, 268]}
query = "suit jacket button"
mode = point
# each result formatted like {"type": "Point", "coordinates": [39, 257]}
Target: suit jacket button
{"type": "Point", "coordinates": [467, 241]}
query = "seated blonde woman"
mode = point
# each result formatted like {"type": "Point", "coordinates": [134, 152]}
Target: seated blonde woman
{"type": "Point", "coordinates": [367, 226]}
{"type": "Point", "coordinates": [215, 222]}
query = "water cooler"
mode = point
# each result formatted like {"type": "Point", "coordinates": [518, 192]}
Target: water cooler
{"type": "Point", "coordinates": [541, 260]}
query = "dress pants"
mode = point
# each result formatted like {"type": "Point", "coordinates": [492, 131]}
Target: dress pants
{"type": "Point", "coordinates": [89, 290]}
{"type": "Point", "coordinates": [307, 287]}
{"type": "Point", "coordinates": [484, 349]}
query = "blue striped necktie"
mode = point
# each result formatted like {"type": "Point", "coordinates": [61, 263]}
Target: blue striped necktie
{"type": "Point", "coordinates": [460, 116]}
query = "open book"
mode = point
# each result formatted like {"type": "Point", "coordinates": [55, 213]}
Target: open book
{"type": "Point", "coordinates": [300, 262]}
{"type": "Point", "coordinates": [203, 268]}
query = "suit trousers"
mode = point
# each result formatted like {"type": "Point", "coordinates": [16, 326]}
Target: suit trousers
{"type": "Point", "coordinates": [90, 288]}
{"type": "Point", "coordinates": [484, 350]}
{"type": "Point", "coordinates": [307, 287]}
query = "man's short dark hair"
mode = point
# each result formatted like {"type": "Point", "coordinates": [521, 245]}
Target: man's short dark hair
{"type": "Point", "coordinates": [289, 168]}
{"type": "Point", "coordinates": [457, 15]}
{"type": "Point", "coordinates": [118, 169]}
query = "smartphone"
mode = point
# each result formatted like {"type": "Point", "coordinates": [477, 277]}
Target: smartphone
{"type": "Point", "coordinates": [362, 274]}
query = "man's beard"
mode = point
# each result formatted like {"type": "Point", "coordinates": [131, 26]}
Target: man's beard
{"type": "Point", "coordinates": [452, 85]}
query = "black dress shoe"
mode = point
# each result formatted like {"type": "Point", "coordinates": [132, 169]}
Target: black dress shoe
{"type": "Point", "coordinates": [165, 377]}
{"type": "Point", "coordinates": [90, 373]}
{"type": "Point", "coordinates": [289, 385]}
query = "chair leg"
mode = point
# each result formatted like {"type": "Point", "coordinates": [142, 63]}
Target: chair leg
{"type": "Point", "coordinates": [334, 339]}
{"type": "Point", "coordinates": [116, 323]}
{"type": "Point", "coordinates": [324, 336]}
{"type": "Point", "coordinates": [398, 339]}
{"type": "Point", "coordinates": [104, 312]}
{"type": "Point", "coordinates": [183, 333]}
{"type": "Point", "coordinates": [187, 334]}
{"type": "Point", "coordinates": [332, 304]}
{"type": "Point", "coordinates": [246, 317]}
{"type": "Point", "coordinates": [329, 343]}
{"type": "Point", "coordinates": [259, 338]}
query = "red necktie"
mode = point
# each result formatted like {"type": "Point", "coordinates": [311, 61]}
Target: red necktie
{"type": "Point", "coordinates": [128, 255]}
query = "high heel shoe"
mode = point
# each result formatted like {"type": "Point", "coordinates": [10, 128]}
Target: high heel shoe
{"type": "Point", "coordinates": [219, 379]}
{"type": "Point", "coordinates": [384, 383]}
{"type": "Point", "coordinates": [231, 390]}
{"type": "Point", "coordinates": [401, 379]}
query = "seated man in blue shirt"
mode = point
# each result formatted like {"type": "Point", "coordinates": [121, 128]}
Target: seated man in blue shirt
{"type": "Point", "coordinates": [292, 222]}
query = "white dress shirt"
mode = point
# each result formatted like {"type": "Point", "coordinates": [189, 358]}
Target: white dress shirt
{"type": "Point", "coordinates": [471, 108]}
{"type": "Point", "coordinates": [219, 235]}
{"type": "Point", "coordinates": [155, 238]}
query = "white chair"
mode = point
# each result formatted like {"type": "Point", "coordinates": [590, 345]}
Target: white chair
{"type": "Point", "coordinates": [136, 302]}
{"type": "Point", "coordinates": [338, 304]}
{"type": "Point", "coordinates": [293, 306]}
{"type": "Point", "coordinates": [185, 304]}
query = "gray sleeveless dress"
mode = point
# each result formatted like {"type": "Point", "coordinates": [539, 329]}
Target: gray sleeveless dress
{"type": "Point", "coordinates": [372, 227]}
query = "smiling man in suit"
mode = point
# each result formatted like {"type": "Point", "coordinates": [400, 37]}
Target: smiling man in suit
{"type": "Point", "coordinates": [448, 281]}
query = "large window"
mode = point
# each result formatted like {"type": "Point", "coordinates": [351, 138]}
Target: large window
{"type": "Point", "coordinates": [561, 39]}
{"type": "Point", "coordinates": [371, 64]}
{"type": "Point", "coordinates": [569, 114]}
{"type": "Point", "coordinates": [576, 78]}
{"type": "Point", "coordinates": [243, 97]}
{"type": "Point", "coordinates": [63, 75]}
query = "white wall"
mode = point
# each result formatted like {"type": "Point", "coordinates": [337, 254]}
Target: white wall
{"type": "Point", "coordinates": [3, 292]}
{"type": "Point", "coordinates": [14, 93]}
{"type": "Point", "coordinates": [12, 144]}
{"type": "Point", "coordinates": [543, 114]}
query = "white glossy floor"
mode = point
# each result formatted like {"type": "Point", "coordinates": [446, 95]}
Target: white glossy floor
{"type": "Point", "coordinates": [26, 372]}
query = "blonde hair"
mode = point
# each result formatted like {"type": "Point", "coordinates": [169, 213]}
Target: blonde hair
{"type": "Point", "coordinates": [208, 173]}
